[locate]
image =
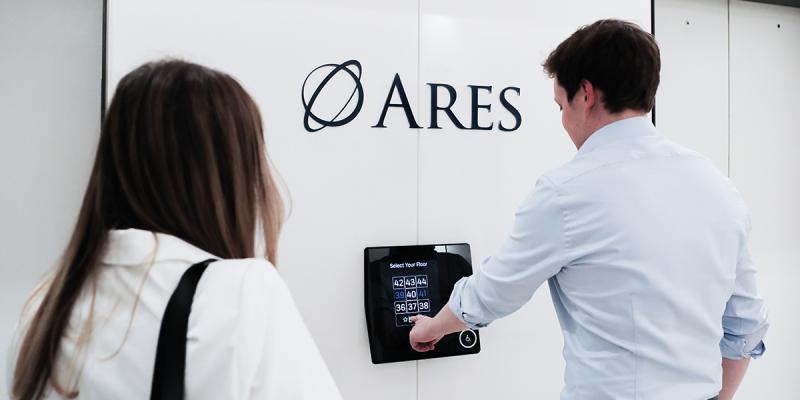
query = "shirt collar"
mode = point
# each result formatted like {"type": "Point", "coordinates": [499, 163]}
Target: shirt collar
{"type": "Point", "coordinates": [135, 246]}
{"type": "Point", "coordinates": [624, 129]}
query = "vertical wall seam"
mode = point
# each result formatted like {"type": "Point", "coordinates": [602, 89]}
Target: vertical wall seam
{"type": "Point", "coordinates": [419, 77]}
{"type": "Point", "coordinates": [419, 34]}
{"type": "Point", "coordinates": [653, 32]}
{"type": "Point", "coordinates": [729, 89]}
{"type": "Point", "coordinates": [104, 63]}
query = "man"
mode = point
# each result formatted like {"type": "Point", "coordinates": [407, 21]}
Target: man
{"type": "Point", "coordinates": [643, 242]}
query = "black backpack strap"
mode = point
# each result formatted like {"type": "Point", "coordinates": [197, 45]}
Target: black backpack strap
{"type": "Point", "coordinates": [170, 367]}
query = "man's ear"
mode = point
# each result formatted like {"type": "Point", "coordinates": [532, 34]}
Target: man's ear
{"type": "Point", "coordinates": [590, 94]}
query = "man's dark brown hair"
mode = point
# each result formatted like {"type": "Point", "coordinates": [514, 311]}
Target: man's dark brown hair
{"type": "Point", "coordinates": [617, 57]}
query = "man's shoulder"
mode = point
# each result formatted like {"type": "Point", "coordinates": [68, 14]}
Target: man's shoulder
{"type": "Point", "coordinates": [574, 168]}
{"type": "Point", "coordinates": [615, 153]}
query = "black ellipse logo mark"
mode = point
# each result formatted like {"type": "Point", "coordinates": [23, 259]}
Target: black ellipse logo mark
{"type": "Point", "coordinates": [353, 69]}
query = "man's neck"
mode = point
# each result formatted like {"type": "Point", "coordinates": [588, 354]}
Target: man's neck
{"type": "Point", "coordinates": [601, 120]}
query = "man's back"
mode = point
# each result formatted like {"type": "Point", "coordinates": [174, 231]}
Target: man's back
{"type": "Point", "coordinates": [661, 231]}
{"type": "Point", "coordinates": [643, 242]}
{"type": "Point", "coordinates": [644, 246]}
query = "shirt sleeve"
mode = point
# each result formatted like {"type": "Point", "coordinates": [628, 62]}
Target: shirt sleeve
{"type": "Point", "coordinates": [533, 252]}
{"type": "Point", "coordinates": [745, 321]}
{"type": "Point", "coordinates": [290, 365]}
{"type": "Point", "coordinates": [248, 340]}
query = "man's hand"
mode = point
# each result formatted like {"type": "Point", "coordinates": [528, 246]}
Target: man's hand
{"type": "Point", "coordinates": [425, 334]}
{"type": "Point", "coordinates": [429, 331]}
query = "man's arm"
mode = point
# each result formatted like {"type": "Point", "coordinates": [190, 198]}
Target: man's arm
{"type": "Point", "coordinates": [732, 375]}
{"type": "Point", "coordinates": [744, 323]}
{"type": "Point", "coordinates": [534, 251]}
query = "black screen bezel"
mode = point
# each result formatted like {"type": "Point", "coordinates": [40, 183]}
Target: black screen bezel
{"type": "Point", "coordinates": [415, 356]}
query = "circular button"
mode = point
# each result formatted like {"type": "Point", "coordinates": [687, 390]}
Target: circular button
{"type": "Point", "coordinates": [468, 338]}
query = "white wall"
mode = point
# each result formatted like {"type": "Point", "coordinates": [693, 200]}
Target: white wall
{"type": "Point", "coordinates": [50, 69]}
{"type": "Point", "coordinates": [765, 138]}
{"type": "Point", "coordinates": [692, 99]}
{"type": "Point", "coordinates": [401, 186]}
{"type": "Point", "coordinates": [357, 186]}
{"type": "Point", "coordinates": [729, 84]}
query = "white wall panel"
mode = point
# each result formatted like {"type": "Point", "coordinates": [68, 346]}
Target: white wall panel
{"type": "Point", "coordinates": [351, 187]}
{"type": "Point", "coordinates": [744, 38]}
{"type": "Point", "coordinates": [471, 182]}
{"type": "Point", "coordinates": [357, 186]}
{"type": "Point", "coordinates": [765, 60]}
{"type": "Point", "coordinates": [692, 100]}
{"type": "Point", "coordinates": [50, 63]}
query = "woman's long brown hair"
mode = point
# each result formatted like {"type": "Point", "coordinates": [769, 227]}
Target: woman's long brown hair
{"type": "Point", "coordinates": [181, 152]}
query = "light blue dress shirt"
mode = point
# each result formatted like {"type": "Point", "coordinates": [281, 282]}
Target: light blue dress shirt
{"type": "Point", "coordinates": [644, 246]}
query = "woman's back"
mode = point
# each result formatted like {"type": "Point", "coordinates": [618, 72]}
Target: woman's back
{"type": "Point", "coordinates": [245, 338]}
{"type": "Point", "coordinates": [182, 153]}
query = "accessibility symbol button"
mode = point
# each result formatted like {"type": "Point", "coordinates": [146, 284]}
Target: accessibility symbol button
{"type": "Point", "coordinates": [467, 338]}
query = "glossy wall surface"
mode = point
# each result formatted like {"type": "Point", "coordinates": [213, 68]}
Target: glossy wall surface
{"type": "Point", "coordinates": [729, 84]}
{"type": "Point", "coordinates": [50, 70]}
{"type": "Point", "coordinates": [356, 186]}
{"type": "Point", "coordinates": [728, 90]}
{"type": "Point", "coordinates": [764, 141]}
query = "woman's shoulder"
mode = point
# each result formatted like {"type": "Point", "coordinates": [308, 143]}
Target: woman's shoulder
{"type": "Point", "coordinates": [246, 318]}
{"type": "Point", "coordinates": [243, 280]}
{"type": "Point", "coordinates": [254, 268]}
{"type": "Point", "coordinates": [236, 298]}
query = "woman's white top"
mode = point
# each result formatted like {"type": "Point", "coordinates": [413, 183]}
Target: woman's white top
{"type": "Point", "coordinates": [246, 339]}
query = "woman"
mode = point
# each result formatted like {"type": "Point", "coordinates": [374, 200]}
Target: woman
{"type": "Point", "coordinates": [180, 176]}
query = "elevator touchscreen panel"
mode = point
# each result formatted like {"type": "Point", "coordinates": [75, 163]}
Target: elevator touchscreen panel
{"type": "Point", "coordinates": [403, 281]}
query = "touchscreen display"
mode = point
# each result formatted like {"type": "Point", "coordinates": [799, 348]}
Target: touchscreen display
{"type": "Point", "coordinates": [403, 281]}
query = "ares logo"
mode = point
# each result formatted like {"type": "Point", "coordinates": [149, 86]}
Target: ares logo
{"type": "Point", "coordinates": [346, 78]}
{"type": "Point", "coordinates": [332, 71]}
